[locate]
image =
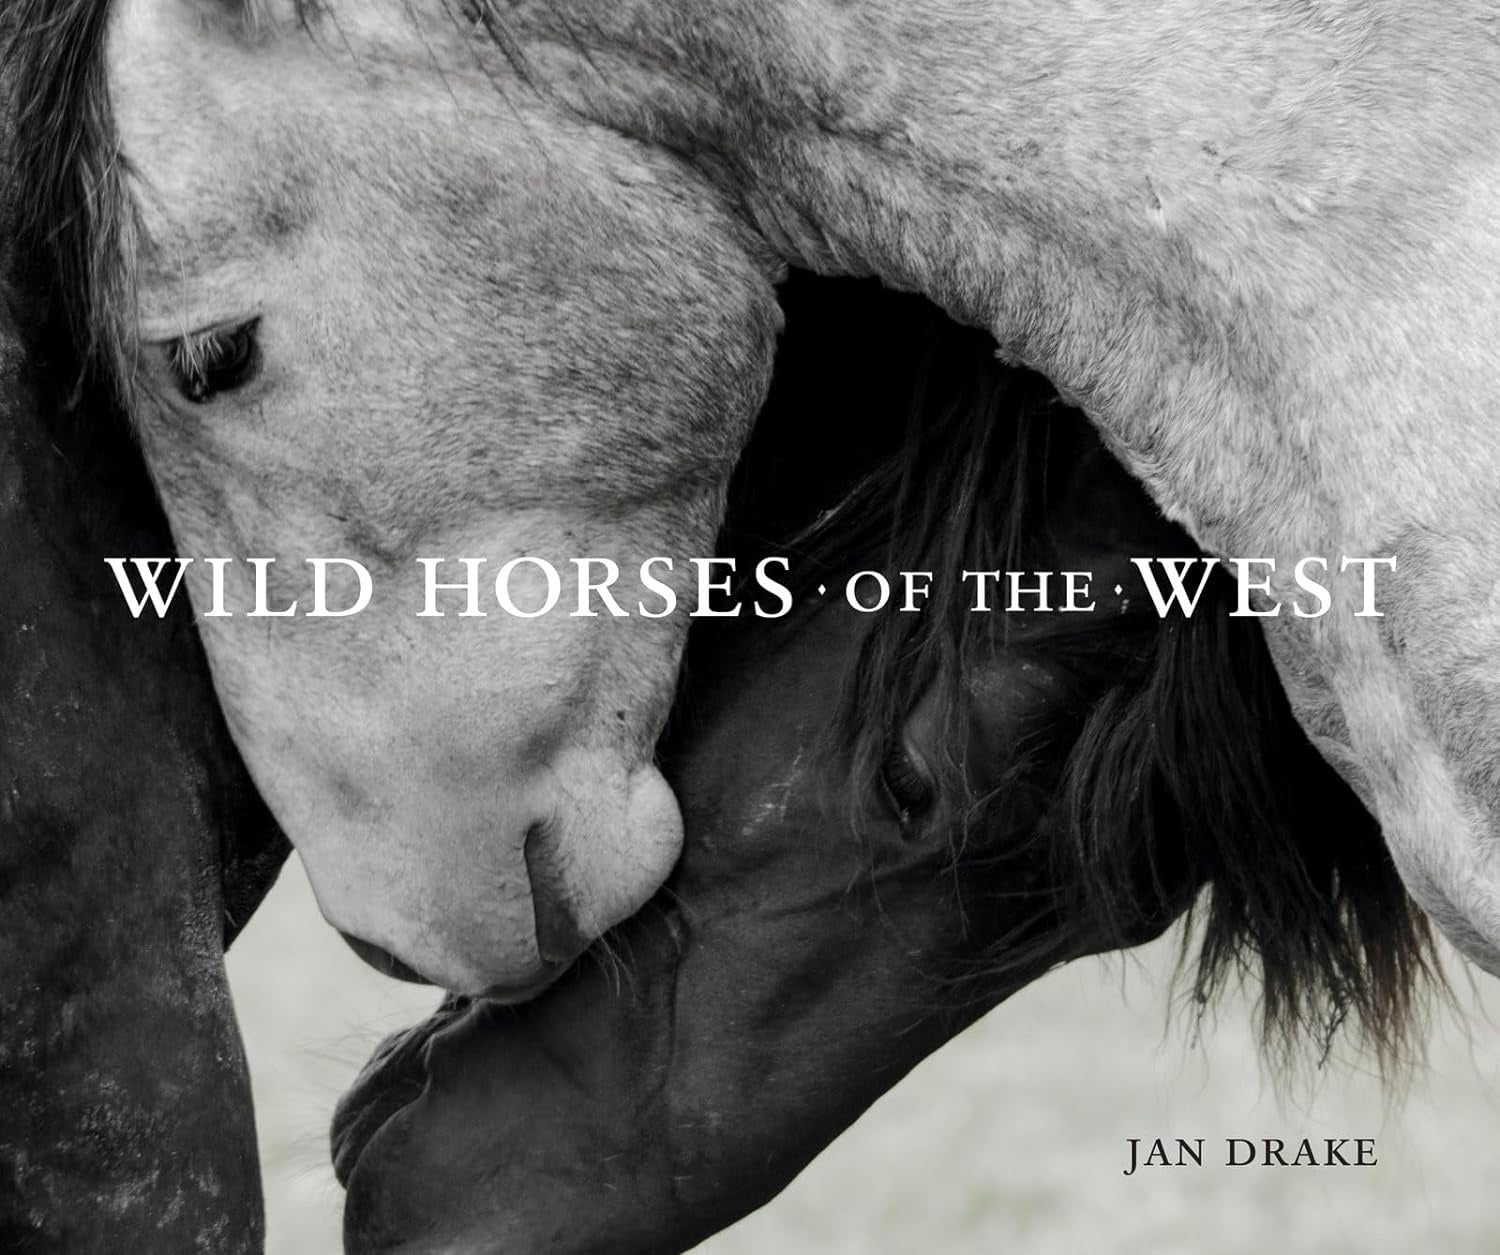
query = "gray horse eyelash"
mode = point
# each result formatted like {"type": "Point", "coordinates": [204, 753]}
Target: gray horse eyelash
{"type": "Point", "coordinates": [191, 356]}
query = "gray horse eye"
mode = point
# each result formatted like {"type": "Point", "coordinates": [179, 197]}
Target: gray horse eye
{"type": "Point", "coordinates": [220, 359]}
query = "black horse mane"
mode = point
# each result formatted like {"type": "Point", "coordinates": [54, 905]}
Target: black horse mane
{"type": "Point", "coordinates": [1177, 726]}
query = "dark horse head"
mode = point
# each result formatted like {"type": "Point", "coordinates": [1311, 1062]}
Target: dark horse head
{"type": "Point", "coordinates": [895, 820]}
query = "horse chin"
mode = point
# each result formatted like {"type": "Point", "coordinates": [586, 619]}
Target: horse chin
{"type": "Point", "coordinates": [393, 1078]}
{"type": "Point", "coordinates": [514, 995]}
{"type": "Point", "coordinates": [530, 1127]}
{"type": "Point", "coordinates": [397, 1074]}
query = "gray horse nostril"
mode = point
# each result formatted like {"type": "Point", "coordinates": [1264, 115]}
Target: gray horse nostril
{"type": "Point", "coordinates": [559, 938]}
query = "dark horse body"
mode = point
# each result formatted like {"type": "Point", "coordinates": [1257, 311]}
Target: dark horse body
{"type": "Point", "coordinates": [132, 848]}
{"type": "Point", "coordinates": [1020, 794]}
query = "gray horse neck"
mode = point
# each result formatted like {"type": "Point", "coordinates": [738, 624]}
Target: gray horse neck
{"type": "Point", "coordinates": [1253, 241]}
{"type": "Point", "coordinates": [1162, 212]}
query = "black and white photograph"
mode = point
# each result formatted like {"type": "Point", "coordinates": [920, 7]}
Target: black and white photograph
{"type": "Point", "coordinates": [762, 627]}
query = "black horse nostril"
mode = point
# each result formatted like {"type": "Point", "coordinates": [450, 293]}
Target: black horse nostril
{"type": "Point", "coordinates": [559, 938]}
{"type": "Point", "coordinates": [383, 961]}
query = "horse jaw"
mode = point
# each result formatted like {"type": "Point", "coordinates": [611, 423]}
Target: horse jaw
{"type": "Point", "coordinates": [1257, 248]}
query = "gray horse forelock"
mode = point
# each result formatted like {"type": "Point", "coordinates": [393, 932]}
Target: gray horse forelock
{"type": "Point", "coordinates": [76, 226]}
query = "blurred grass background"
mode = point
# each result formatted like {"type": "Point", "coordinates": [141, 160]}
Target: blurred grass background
{"type": "Point", "coordinates": [1010, 1138]}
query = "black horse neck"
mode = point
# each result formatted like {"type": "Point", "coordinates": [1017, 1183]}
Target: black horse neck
{"type": "Point", "coordinates": [127, 1122]}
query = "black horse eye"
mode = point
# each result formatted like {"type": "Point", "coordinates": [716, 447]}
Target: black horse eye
{"type": "Point", "coordinates": [906, 786]}
{"type": "Point", "coordinates": [207, 363]}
